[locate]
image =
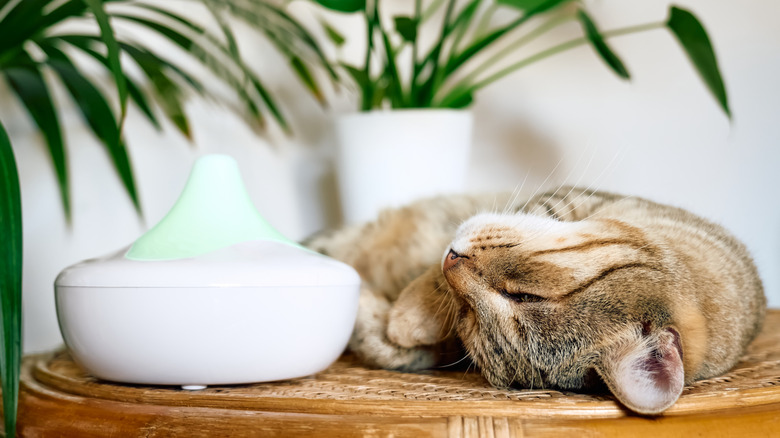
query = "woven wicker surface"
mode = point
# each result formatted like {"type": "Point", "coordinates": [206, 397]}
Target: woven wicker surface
{"type": "Point", "coordinates": [348, 387]}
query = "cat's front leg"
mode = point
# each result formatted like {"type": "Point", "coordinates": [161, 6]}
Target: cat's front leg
{"type": "Point", "coordinates": [424, 313]}
{"type": "Point", "coordinates": [371, 343]}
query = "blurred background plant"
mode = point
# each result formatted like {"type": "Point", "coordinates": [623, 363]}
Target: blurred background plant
{"type": "Point", "coordinates": [45, 43]}
{"type": "Point", "coordinates": [470, 50]}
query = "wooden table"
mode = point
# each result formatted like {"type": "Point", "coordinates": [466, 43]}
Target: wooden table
{"type": "Point", "coordinates": [58, 399]}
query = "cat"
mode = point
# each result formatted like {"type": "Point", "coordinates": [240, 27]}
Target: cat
{"type": "Point", "coordinates": [572, 289]}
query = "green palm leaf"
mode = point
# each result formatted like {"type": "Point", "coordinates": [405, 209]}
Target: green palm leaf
{"type": "Point", "coordinates": [86, 43]}
{"type": "Point", "coordinates": [217, 11]}
{"type": "Point", "coordinates": [69, 9]}
{"type": "Point", "coordinates": [107, 34]}
{"type": "Point", "coordinates": [10, 281]}
{"type": "Point", "coordinates": [281, 30]}
{"type": "Point", "coordinates": [29, 86]}
{"type": "Point", "coordinates": [167, 91]}
{"type": "Point", "coordinates": [19, 24]}
{"type": "Point", "coordinates": [216, 64]}
{"type": "Point", "coordinates": [133, 90]}
{"type": "Point", "coordinates": [97, 113]}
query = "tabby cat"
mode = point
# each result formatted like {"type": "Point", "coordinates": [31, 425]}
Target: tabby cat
{"type": "Point", "coordinates": [568, 290]}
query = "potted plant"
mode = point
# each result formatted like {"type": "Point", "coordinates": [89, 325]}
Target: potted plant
{"type": "Point", "coordinates": [434, 81]}
{"type": "Point", "coordinates": [34, 44]}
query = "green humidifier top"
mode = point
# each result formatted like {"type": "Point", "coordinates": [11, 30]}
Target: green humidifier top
{"type": "Point", "coordinates": [214, 211]}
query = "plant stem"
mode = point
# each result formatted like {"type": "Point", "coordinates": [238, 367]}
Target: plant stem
{"type": "Point", "coordinates": [425, 91]}
{"type": "Point", "coordinates": [634, 29]}
{"type": "Point", "coordinates": [415, 65]}
{"type": "Point", "coordinates": [368, 91]}
{"type": "Point", "coordinates": [461, 33]}
{"type": "Point", "coordinates": [431, 9]}
{"type": "Point", "coordinates": [435, 72]}
{"type": "Point", "coordinates": [525, 39]}
{"type": "Point", "coordinates": [484, 22]}
{"type": "Point", "coordinates": [390, 70]}
{"type": "Point", "coordinates": [459, 92]}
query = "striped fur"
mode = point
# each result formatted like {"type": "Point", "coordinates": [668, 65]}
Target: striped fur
{"type": "Point", "coordinates": [571, 289]}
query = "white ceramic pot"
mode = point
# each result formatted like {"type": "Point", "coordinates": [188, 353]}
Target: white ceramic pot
{"type": "Point", "coordinates": [390, 158]}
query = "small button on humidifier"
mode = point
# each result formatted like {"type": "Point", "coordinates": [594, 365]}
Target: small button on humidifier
{"type": "Point", "coordinates": [211, 295]}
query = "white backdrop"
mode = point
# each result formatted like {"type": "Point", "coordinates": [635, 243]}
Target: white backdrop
{"type": "Point", "coordinates": [660, 136]}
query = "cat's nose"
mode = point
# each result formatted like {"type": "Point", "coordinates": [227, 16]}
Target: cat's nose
{"type": "Point", "coordinates": [450, 260]}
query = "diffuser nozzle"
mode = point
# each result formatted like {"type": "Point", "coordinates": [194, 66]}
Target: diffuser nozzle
{"type": "Point", "coordinates": [214, 211]}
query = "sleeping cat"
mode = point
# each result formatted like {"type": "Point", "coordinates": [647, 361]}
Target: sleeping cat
{"type": "Point", "coordinates": [567, 290]}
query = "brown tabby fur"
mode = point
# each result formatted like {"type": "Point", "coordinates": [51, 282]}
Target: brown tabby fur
{"type": "Point", "coordinates": [569, 289]}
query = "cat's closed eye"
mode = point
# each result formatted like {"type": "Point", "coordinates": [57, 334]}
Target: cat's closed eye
{"type": "Point", "coordinates": [521, 297]}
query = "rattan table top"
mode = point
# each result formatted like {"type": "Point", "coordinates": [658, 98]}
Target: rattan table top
{"type": "Point", "coordinates": [348, 388]}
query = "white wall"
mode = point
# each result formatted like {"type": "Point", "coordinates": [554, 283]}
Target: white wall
{"type": "Point", "coordinates": [659, 136]}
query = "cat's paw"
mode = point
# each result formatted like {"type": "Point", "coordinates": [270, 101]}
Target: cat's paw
{"type": "Point", "coordinates": [424, 312]}
{"type": "Point", "coordinates": [401, 332]}
{"type": "Point", "coordinates": [371, 343]}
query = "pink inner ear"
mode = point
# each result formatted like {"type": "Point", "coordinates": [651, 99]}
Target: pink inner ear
{"type": "Point", "coordinates": [665, 363]}
{"type": "Point", "coordinates": [648, 377]}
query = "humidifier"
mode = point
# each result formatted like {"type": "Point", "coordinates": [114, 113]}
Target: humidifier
{"type": "Point", "coordinates": [211, 295]}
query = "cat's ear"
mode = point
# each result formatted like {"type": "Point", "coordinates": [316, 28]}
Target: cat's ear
{"type": "Point", "coordinates": [646, 372]}
{"type": "Point", "coordinates": [422, 314]}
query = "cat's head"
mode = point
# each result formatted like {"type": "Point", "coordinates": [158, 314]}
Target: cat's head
{"type": "Point", "coordinates": [540, 303]}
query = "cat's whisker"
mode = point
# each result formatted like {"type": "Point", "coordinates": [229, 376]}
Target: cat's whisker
{"type": "Point", "coordinates": [466, 356]}
{"type": "Point", "coordinates": [593, 186]}
{"type": "Point", "coordinates": [518, 371]}
{"type": "Point", "coordinates": [444, 304]}
{"type": "Point", "coordinates": [572, 186]}
{"type": "Point", "coordinates": [575, 198]}
{"type": "Point", "coordinates": [455, 224]}
{"type": "Point", "coordinates": [531, 379]}
{"type": "Point", "coordinates": [611, 166]}
{"type": "Point", "coordinates": [571, 171]}
{"type": "Point", "coordinates": [541, 186]}
{"type": "Point", "coordinates": [514, 195]}
{"type": "Point", "coordinates": [468, 369]}
{"type": "Point", "coordinates": [448, 307]}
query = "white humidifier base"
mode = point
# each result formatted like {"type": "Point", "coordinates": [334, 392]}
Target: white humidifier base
{"type": "Point", "coordinates": [212, 295]}
{"type": "Point", "coordinates": [205, 336]}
